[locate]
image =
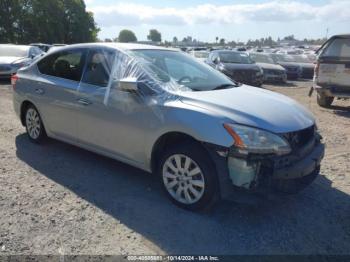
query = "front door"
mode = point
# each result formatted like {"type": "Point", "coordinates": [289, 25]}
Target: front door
{"type": "Point", "coordinates": [111, 123]}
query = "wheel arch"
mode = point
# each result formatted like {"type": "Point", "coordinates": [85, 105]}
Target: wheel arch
{"type": "Point", "coordinates": [168, 139]}
{"type": "Point", "coordinates": [25, 104]}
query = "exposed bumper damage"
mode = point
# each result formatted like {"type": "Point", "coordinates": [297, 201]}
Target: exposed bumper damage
{"type": "Point", "coordinates": [268, 173]}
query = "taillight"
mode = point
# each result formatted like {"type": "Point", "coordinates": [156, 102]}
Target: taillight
{"type": "Point", "coordinates": [14, 79]}
{"type": "Point", "coordinates": [317, 68]}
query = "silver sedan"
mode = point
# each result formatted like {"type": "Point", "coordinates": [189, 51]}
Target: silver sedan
{"type": "Point", "coordinates": [165, 112]}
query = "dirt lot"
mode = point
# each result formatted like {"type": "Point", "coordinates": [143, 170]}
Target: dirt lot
{"type": "Point", "coordinates": [59, 199]}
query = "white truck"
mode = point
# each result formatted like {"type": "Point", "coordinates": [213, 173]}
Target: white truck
{"type": "Point", "coordinates": [332, 71]}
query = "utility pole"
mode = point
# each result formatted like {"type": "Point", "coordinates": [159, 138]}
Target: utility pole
{"type": "Point", "coordinates": [327, 33]}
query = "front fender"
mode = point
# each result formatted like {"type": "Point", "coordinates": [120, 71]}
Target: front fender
{"type": "Point", "coordinates": [196, 122]}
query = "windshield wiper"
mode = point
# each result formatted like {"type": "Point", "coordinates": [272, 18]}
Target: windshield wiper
{"type": "Point", "coordinates": [226, 86]}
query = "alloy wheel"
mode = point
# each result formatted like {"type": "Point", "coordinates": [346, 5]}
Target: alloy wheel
{"type": "Point", "coordinates": [33, 123]}
{"type": "Point", "coordinates": [183, 179]}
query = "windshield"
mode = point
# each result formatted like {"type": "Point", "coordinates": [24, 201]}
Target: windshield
{"type": "Point", "coordinates": [282, 58]}
{"type": "Point", "coordinates": [17, 51]}
{"type": "Point", "coordinates": [234, 57]}
{"type": "Point", "coordinates": [261, 58]}
{"type": "Point", "coordinates": [339, 47]}
{"type": "Point", "coordinates": [182, 68]}
{"type": "Point", "coordinates": [301, 59]}
{"type": "Point", "coordinates": [201, 54]}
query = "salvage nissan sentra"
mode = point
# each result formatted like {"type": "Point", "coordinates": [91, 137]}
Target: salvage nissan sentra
{"type": "Point", "coordinates": [164, 112]}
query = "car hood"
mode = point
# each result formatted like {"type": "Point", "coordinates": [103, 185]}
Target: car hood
{"type": "Point", "coordinates": [270, 66]}
{"type": "Point", "coordinates": [233, 66]}
{"type": "Point", "coordinates": [288, 64]}
{"type": "Point", "coordinates": [252, 106]}
{"type": "Point", "coordinates": [307, 65]}
{"type": "Point", "coordinates": [11, 59]}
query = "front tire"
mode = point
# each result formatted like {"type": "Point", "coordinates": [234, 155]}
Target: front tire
{"type": "Point", "coordinates": [189, 177]}
{"type": "Point", "coordinates": [323, 100]}
{"type": "Point", "coordinates": [34, 125]}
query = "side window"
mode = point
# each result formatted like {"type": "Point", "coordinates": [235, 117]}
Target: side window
{"type": "Point", "coordinates": [98, 67]}
{"type": "Point", "coordinates": [66, 64]}
{"type": "Point", "coordinates": [338, 48]}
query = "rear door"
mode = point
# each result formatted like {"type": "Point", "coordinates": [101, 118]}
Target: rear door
{"type": "Point", "coordinates": [55, 91]}
{"type": "Point", "coordinates": [334, 62]}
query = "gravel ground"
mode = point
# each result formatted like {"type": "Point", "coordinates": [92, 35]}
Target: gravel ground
{"type": "Point", "coordinates": [59, 199]}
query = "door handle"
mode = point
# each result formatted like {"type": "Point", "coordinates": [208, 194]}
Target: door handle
{"type": "Point", "coordinates": [39, 91]}
{"type": "Point", "coordinates": [84, 102]}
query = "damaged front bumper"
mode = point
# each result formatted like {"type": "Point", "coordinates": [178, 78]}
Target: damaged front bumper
{"type": "Point", "coordinates": [269, 173]}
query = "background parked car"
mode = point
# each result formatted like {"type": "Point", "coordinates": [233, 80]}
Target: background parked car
{"type": "Point", "coordinates": [272, 72]}
{"type": "Point", "coordinates": [43, 47]}
{"type": "Point", "coordinates": [236, 65]}
{"type": "Point", "coordinates": [293, 69]}
{"type": "Point", "coordinates": [306, 64]}
{"type": "Point", "coordinates": [332, 71]}
{"type": "Point", "coordinates": [200, 55]}
{"type": "Point", "coordinates": [13, 57]}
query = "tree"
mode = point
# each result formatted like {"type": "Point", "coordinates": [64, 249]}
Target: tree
{"type": "Point", "coordinates": [175, 40]}
{"type": "Point", "coordinates": [289, 37]}
{"type": "Point", "coordinates": [154, 35]}
{"type": "Point", "coordinates": [126, 36]}
{"type": "Point", "coordinates": [222, 41]}
{"type": "Point", "coordinates": [216, 39]}
{"type": "Point", "coordinates": [54, 21]}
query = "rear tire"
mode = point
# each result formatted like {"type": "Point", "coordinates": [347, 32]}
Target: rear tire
{"type": "Point", "coordinates": [34, 125]}
{"type": "Point", "coordinates": [324, 101]}
{"type": "Point", "coordinates": [189, 177]}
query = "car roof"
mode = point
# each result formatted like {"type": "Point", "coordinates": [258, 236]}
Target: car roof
{"type": "Point", "coordinates": [39, 44]}
{"type": "Point", "coordinates": [342, 36]}
{"type": "Point", "coordinates": [18, 46]}
{"type": "Point", "coordinates": [227, 51]}
{"type": "Point", "coordinates": [259, 53]}
{"type": "Point", "coordinates": [118, 46]}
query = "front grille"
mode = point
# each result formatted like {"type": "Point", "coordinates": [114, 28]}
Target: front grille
{"type": "Point", "coordinates": [244, 75]}
{"type": "Point", "coordinates": [5, 68]}
{"type": "Point", "coordinates": [273, 72]}
{"type": "Point", "coordinates": [308, 72]}
{"type": "Point", "coordinates": [301, 138]}
{"type": "Point", "coordinates": [292, 69]}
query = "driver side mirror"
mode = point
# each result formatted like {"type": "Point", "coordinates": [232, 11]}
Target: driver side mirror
{"type": "Point", "coordinates": [216, 60]}
{"type": "Point", "coordinates": [128, 84]}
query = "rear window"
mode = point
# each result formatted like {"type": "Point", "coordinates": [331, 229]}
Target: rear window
{"type": "Point", "coordinates": [66, 64]}
{"type": "Point", "coordinates": [339, 47]}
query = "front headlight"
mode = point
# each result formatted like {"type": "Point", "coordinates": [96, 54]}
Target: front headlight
{"type": "Point", "coordinates": [253, 140]}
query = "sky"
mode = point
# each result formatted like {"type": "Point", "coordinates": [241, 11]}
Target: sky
{"type": "Point", "coordinates": [235, 20]}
